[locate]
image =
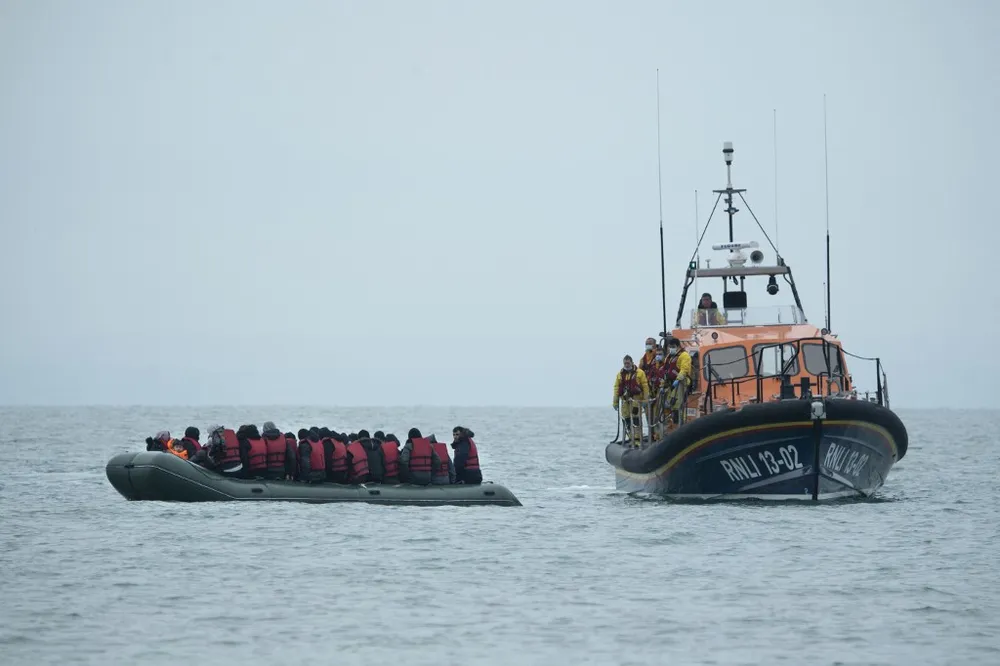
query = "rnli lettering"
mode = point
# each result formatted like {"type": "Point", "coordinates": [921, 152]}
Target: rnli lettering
{"type": "Point", "coordinates": [843, 460]}
{"type": "Point", "coordinates": [745, 468]}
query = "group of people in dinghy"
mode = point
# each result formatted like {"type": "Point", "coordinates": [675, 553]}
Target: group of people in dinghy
{"type": "Point", "coordinates": [322, 454]}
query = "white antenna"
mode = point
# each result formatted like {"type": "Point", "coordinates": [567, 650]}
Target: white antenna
{"type": "Point", "coordinates": [826, 175]}
{"type": "Point", "coordinates": [776, 245]}
{"type": "Point", "coordinates": [697, 257]}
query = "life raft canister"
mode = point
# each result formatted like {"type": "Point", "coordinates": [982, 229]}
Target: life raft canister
{"type": "Point", "coordinates": [420, 456]}
{"type": "Point", "coordinates": [359, 461]}
{"type": "Point", "coordinates": [442, 450]}
{"type": "Point", "coordinates": [391, 454]}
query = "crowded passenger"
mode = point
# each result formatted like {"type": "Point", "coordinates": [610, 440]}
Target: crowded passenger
{"type": "Point", "coordinates": [279, 453]}
{"type": "Point", "coordinates": [357, 459]}
{"type": "Point", "coordinates": [376, 460]}
{"type": "Point", "coordinates": [444, 471]}
{"type": "Point", "coordinates": [466, 457]}
{"type": "Point", "coordinates": [312, 457]}
{"type": "Point", "coordinates": [334, 455]}
{"type": "Point", "coordinates": [418, 459]}
{"type": "Point", "coordinates": [390, 458]}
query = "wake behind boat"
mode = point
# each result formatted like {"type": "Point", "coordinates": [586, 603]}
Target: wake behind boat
{"type": "Point", "coordinates": [750, 402]}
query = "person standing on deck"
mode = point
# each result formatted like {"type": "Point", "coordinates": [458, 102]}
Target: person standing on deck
{"type": "Point", "coordinates": [631, 386]}
{"type": "Point", "coordinates": [677, 378]}
{"type": "Point", "coordinates": [649, 356]}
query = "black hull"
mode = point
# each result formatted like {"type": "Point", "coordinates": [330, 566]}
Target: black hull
{"type": "Point", "coordinates": [769, 451]}
{"type": "Point", "coordinates": [164, 477]}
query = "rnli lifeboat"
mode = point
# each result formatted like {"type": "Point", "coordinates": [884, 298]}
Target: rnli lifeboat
{"type": "Point", "coordinates": [157, 476]}
{"type": "Point", "coordinates": [776, 408]}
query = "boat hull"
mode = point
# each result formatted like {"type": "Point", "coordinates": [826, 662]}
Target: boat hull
{"type": "Point", "coordinates": [774, 451]}
{"type": "Point", "coordinates": [157, 476]}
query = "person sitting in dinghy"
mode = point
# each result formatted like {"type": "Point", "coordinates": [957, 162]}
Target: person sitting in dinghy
{"type": "Point", "coordinates": [466, 457]}
{"type": "Point", "coordinates": [418, 459]}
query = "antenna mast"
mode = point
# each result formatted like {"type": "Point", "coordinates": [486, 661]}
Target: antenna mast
{"type": "Point", "coordinates": [659, 182]}
{"type": "Point", "coordinates": [776, 181]}
{"type": "Point", "coordinates": [826, 169]}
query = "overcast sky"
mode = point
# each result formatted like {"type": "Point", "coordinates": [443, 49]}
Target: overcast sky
{"type": "Point", "coordinates": [455, 203]}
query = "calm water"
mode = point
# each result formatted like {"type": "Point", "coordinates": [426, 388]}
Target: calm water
{"type": "Point", "coordinates": [580, 574]}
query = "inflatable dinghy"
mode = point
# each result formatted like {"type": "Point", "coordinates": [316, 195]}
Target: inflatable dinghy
{"type": "Point", "coordinates": [157, 476]}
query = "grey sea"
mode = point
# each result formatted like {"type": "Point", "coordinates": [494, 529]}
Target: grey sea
{"type": "Point", "coordinates": [581, 574]}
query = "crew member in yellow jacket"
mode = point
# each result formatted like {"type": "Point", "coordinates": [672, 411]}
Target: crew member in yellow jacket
{"type": "Point", "coordinates": [631, 386]}
{"type": "Point", "coordinates": [678, 376]}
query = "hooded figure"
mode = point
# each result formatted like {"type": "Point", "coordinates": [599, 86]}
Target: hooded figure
{"type": "Point", "coordinates": [466, 457]}
{"type": "Point", "coordinates": [376, 460]}
{"type": "Point", "coordinates": [413, 469]}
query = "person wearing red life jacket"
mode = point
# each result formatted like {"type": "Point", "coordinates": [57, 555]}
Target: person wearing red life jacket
{"type": "Point", "coordinates": [418, 459]}
{"type": "Point", "coordinates": [335, 450]}
{"type": "Point", "coordinates": [466, 457]}
{"type": "Point", "coordinates": [390, 455]}
{"type": "Point", "coordinates": [357, 460]}
{"type": "Point", "coordinates": [443, 473]}
{"type": "Point", "coordinates": [376, 459]}
{"type": "Point", "coordinates": [312, 457]}
{"type": "Point", "coordinates": [190, 441]}
{"type": "Point", "coordinates": [280, 453]}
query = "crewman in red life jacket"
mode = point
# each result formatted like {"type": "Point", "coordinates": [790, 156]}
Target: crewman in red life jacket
{"type": "Point", "coordinates": [418, 459]}
{"type": "Point", "coordinates": [466, 457]}
{"type": "Point", "coordinates": [649, 356]}
{"type": "Point", "coordinates": [390, 455]}
{"type": "Point", "coordinates": [443, 473]}
{"type": "Point", "coordinates": [630, 388]}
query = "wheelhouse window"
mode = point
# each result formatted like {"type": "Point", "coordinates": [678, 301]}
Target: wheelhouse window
{"type": "Point", "coordinates": [727, 363]}
{"type": "Point", "coordinates": [769, 359]}
{"type": "Point", "coordinates": [815, 359]}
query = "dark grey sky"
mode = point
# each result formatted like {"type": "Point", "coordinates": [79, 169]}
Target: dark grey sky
{"type": "Point", "coordinates": [456, 202]}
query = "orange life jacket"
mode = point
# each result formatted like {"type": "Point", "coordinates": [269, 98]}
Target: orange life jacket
{"type": "Point", "coordinates": [176, 448]}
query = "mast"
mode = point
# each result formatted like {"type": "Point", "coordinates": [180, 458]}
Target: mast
{"type": "Point", "coordinates": [776, 245]}
{"type": "Point", "coordinates": [826, 175]}
{"type": "Point", "coordinates": [727, 153]}
{"type": "Point", "coordinates": [659, 182]}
